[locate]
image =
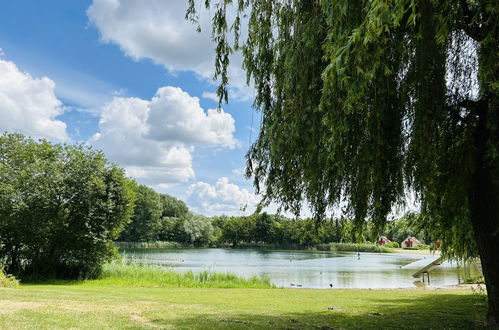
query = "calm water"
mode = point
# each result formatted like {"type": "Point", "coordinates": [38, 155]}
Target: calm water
{"type": "Point", "coordinates": [303, 268]}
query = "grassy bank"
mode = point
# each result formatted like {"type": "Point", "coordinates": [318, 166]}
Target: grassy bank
{"type": "Point", "coordinates": [131, 274]}
{"type": "Point", "coordinates": [85, 307]}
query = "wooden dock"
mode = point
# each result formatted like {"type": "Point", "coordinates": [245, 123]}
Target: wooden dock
{"type": "Point", "coordinates": [427, 268]}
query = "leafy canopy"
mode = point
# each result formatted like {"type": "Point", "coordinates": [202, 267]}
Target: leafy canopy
{"type": "Point", "coordinates": [61, 207]}
{"type": "Point", "coordinates": [362, 101]}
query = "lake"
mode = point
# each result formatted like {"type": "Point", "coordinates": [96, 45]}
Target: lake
{"type": "Point", "coordinates": [305, 269]}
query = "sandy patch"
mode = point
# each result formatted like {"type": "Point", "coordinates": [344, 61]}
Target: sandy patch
{"type": "Point", "coordinates": [425, 252]}
{"type": "Point", "coordinates": [9, 306]}
{"type": "Point", "coordinates": [143, 321]}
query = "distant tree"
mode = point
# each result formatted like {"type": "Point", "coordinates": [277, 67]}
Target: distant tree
{"type": "Point", "coordinates": [172, 229]}
{"type": "Point", "coordinates": [264, 224]}
{"type": "Point", "coordinates": [237, 229]}
{"type": "Point", "coordinates": [61, 206]}
{"type": "Point", "coordinates": [146, 216]}
{"type": "Point", "coordinates": [173, 207]}
{"type": "Point", "coordinates": [198, 228]}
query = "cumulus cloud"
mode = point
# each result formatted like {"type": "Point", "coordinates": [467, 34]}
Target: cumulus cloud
{"type": "Point", "coordinates": [174, 115]}
{"type": "Point", "coordinates": [157, 30]}
{"type": "Point", "coordinates": [210, 96]}
{"type": "Point", "coordinates": [29, 105]}
{"type": "Point", "coordinates": [221, 197]}
{"type": "Point", "coordinates": [154, 139]}
{"type": "Point", "coordinates": [239, 171]}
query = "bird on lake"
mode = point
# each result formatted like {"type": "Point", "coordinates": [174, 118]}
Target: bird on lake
{"type": "Point", "coordinates": [331, 285]}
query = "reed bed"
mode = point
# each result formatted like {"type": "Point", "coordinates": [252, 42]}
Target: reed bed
{"type": "Point", "coordinates": [132, 274]}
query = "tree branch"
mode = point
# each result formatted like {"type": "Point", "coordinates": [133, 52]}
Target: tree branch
{"type": "Point", "coordinates": [473, 30]}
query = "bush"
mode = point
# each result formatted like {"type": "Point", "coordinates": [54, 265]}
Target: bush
{"type": "Point", "coordinates": [392, 245]}
{"type": "Point", "coordinates": [352, 247]}
{"type": "Point", "coordinates": [7, 281]}
{"type": "Point", "coordinates": [61, 207]}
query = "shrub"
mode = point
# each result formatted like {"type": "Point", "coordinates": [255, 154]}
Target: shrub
{"type": "Point", "coordinates": [392, 245]}
{"type": "Point", "coordinates": [7, 281]}
{"type": "Point", "coordinates": [61, 207]}
{"type": "Point", "coordinates": [352, 247]}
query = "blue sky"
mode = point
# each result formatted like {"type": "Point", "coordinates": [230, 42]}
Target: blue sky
{"type": "Point", "coordinates": [133, 78]}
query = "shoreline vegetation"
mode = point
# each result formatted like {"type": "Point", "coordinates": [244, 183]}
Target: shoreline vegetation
{"type": "Point", "coordinates": [327, 247]}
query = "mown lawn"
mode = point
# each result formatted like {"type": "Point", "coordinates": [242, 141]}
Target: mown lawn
{"type": "Point", "coordinates": [93, 307]}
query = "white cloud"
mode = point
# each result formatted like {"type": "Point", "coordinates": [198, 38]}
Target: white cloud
{"type": "Point", "coordinates": [154, 139]}
{"type": "Point", "coordinates": [210, 96]}
{"type": "Point", "coordinates": [221, 198]}
{"type": "Point", "coordinates": [157, 30]}
{"type": "Point", "coordinates": [29, 105]}
{"type": "Point", "coordinates": [239, 171]}
{"type": "Point", "coordinates": [174, 115]}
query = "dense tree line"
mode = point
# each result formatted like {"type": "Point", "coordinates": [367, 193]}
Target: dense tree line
{"type": "Point", "coordinates": [159, 217]}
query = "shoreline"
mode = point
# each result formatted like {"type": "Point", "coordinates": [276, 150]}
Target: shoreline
{"type": "Point", "coordinates": [303, 249]}
{"type": "Point", "coordinates": [424, 252]}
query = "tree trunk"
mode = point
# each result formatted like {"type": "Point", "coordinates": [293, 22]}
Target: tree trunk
{"type": "Point", "coordinates": [485, 212]}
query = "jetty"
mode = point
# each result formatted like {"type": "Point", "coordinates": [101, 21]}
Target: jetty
{"type": "Point", "coordinates": [427, 268]}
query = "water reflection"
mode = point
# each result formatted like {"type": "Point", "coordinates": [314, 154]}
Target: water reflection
{"type": "Point", "coordinates": [303, 268]}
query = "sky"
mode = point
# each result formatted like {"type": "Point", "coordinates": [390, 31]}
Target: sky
{"type": "Point", "coordinates": [133, 78]}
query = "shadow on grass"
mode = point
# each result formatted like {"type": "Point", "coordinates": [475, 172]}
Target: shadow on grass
{"type": "Point", "coordinates": [432, 311]}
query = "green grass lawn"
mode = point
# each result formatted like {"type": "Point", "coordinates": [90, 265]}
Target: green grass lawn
{"type": "Point", "coordinates": [93, 307]}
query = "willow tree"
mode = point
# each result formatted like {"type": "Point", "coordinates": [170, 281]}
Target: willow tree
{"type": "Point", "coordinates": [362, 101]}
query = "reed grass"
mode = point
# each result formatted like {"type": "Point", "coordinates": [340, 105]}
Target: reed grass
{"type": "Point", "coordinates": [149, 245]}
{"type": "Point", "coordinates": [132, 274]}
{"type": "Point", "coordinates": [352, 247]}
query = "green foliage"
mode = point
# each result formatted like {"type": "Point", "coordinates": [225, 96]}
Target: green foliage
{"type": "Point", "coordinates": [198, 228]}
{"type": "Point", "coordinates": [353, 247]}
{"type": "Point", "coordinates": [61, 206]}
{"type": "Point", "coordinates": [145, 221]}
{"type": "Point", "coordinates": [392, 245]}
{"type": "Point", "coordinates": [422, 247]}
{"type": "Point", "coordinates": [173, 207]}
{"type": "Point", "coordinates": [141, 275]}
{"type": "Point", "coordinates": [363, 101]}
{"type": "Point", "coordinates": [411, 224]}
{"type": "Point", "coordinates": [149, 245]}
{"type": "Point", "coordinates": [7, 281]}
{"type": "Point", "coordinates": [397, 96]}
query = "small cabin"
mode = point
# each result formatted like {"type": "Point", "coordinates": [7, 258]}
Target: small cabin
{"type": "Point", "coordinates": [410, 242]}
{"type": "Point", "coordinates": [383, 240]}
